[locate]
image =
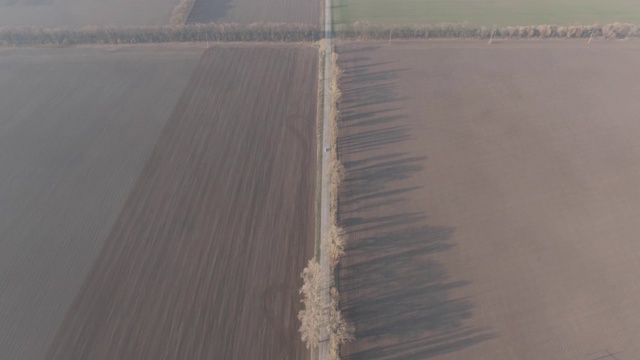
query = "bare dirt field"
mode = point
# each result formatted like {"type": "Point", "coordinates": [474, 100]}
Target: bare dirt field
{"type": "Point", "coordinates": [487, 12]}
{"type": "Point", "coordinates": [82, 13]}
{"type": "Point", "coordinates": [492, 199]}
{"type": "Point", "coordinates": [76, 128]}
{"type": "Point", "coordinates": [251, 11]}
{"type": "Point", "coordinates": [204, 260]}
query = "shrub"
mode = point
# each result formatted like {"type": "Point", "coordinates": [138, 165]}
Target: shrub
{"type": "Point", "coordinates": [337, 238]}
{"type": "Point", "coordinates": [341, 331]}
{"type": "Point", "coordinates": [336, 172]}
{"type": "Point", "coordinates": [312, 317]}
{"type": "Point", "coordinates": [181, 12]}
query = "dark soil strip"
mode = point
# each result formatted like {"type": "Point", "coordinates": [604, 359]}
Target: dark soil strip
{"type": "Point", "coordinates": [206, 11]}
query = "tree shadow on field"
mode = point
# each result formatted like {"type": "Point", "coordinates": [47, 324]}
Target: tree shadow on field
{"type": "Point", "coordinates": [399, 297]}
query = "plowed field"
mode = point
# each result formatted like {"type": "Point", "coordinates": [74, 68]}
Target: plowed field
{"type": "Point", "coordinates": [204, 259]}
{"type": "Point", "coordinates": [77, 126]}
{"type": "Point", "coordinates": [487, 12]}
{"type": "Point", "coordinates": [491, 200]}
{"type": "Point", "coordinates": [83, 13]}
{"type": "Point", "coordinates": [251, 11]}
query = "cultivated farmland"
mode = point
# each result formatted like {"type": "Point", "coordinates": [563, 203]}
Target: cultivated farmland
{"type": "Point", "coordinates": [77, 127]}
{"type": "Point", "coordinates": [81, 13]}
{"type": "Point", "coordinates": [205, 257]}
{"type": "Point", "coordinates": [251, 11]}
{"type": "Point", "coordinates": [491, 200]}
{"type": "Point", "coordinates": [487, 12]}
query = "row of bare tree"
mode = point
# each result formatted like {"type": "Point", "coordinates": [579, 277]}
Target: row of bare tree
{"type": "Point", "coordinates": [259, 32]}
{"type": "Point", "coordinates": [365, 31]}
{"type": "Point", "coordinates": [283, 32]}
{"type": "Point", "coordinates": [320, 312]}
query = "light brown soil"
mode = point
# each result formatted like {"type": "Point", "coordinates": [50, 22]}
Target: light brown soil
{"type": "Point", "coordinates": [83, 13]}
{"type": "Point", "coordinates": [492, 200]}
{"type": "Point", "coordinates": [204, 260]}
{"type": "Point", "coordinates": [77, 126]}
{"type": "Point", "coordinates": [7, 3]}
{"type": "Point", "coordinates": [251, 11]}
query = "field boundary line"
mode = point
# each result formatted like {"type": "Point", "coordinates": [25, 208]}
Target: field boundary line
{"type": "Point", "coordinates": [285, 32]}
{"type": "Point", "coordinates": [316, 287]}
{"type": "Point", "coordinates": [111, 35]}
{"type": "Point", "coordinates": [325, 213]}
{"type": "Point", "coordinates": [362, 30]}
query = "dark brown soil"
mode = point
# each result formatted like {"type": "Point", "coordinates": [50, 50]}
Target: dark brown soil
{"type": "Point", "coordinates": [251, 11]}
{"type": "Point", "coordinates": [204, 259]}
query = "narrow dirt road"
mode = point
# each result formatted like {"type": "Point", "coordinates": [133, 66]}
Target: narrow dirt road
{"type": "Point", "coordinates": [323, 348]}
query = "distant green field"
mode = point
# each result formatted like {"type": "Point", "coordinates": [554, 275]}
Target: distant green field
{"type": "Point", "coordinates": [487, 12]}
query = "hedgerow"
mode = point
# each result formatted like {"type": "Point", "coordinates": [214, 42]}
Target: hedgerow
{"type": "Point", "coordinates": [258, 32]}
